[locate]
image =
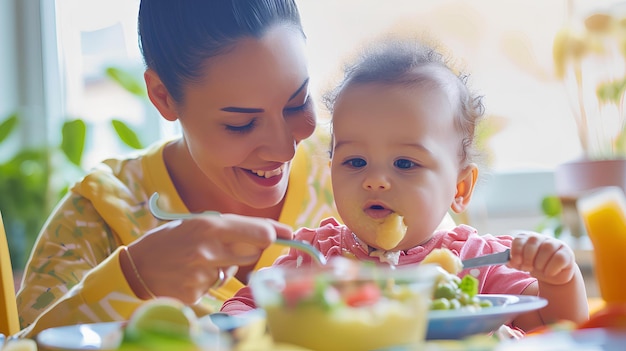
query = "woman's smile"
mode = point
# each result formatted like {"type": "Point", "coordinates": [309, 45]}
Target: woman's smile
{"type": "Point", "coordinates": [267, 178]}
{"type": "Point", "coordinates": [269, 174]}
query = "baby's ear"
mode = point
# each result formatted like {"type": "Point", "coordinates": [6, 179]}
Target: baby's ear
{"type": "Point", "coordinates": [465, 188]}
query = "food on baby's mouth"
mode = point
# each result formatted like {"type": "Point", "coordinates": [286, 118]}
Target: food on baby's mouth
{"type": "Point", "coordinates": [390, 232]}
{"type": "Point", "coordinates": [446, 259]}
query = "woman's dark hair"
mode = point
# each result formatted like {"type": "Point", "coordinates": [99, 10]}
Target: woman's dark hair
{"type": "Point", "coordinates": [178, 36]}
{"type": "Point", "coordinates": [408, 62]}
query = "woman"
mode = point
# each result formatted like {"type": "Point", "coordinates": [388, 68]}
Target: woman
{"type": "Point", "coordinates": [235, 75]}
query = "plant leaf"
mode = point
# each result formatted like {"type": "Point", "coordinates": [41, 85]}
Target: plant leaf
{"type": "Point", "coordinates": [127, 81]}
{"type": "Point", "coordinates": [8, 126]}
{"type": "Point", "coordinates": [126, 134]}
{"type": "Point", "coordinates": [551, 205]}
{"type": "Point", "coordinates": [73, 142]}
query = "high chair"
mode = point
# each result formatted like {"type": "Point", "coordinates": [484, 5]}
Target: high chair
{"type": "Point", "coordinates": [9, 322]}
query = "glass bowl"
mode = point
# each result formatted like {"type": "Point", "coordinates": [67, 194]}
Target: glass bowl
{"type": "Point", "coordinates": [346, 305]}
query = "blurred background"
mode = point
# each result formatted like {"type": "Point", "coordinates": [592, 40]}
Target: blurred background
{"type": "Point", "coordinates": [72, 68]}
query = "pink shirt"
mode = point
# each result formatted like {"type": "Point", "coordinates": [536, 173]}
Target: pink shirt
{"type": "Point", "coordinates": [334, 239]}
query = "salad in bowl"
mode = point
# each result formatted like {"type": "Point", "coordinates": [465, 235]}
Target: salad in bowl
{"type": "Point", "coordinates": [346, 304]}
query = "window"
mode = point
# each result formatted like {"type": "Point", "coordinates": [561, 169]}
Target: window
{"type": "Point", "coordinates": [506, 46]}
{"type": "Point", "coordinates": [93, 36]}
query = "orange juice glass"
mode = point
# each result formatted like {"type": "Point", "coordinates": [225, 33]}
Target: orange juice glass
{"type": "Point", "coordinates": [604, 214]}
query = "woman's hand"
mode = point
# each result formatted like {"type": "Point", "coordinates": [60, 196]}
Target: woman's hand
{"type": "Point", "coordinates": [182, 258]}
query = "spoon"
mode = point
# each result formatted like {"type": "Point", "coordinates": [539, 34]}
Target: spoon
{"type": "Point", "coordinates": [303, 246]}
{"type": "Point", "coordinates": [488, 260]}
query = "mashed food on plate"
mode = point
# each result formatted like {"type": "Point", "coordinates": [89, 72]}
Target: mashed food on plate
{"type": "Point", "coordinates": [446, 259]}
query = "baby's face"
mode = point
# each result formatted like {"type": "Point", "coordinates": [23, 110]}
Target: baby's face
{"type": "Point", "coordinates": [395, 150]}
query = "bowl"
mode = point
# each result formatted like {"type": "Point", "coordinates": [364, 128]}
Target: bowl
{"type": "Point", "coordinates": [346, 305]}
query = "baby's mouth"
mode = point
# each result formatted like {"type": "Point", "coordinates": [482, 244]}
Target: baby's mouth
{"type": "Point", "coordinates": [377, 211]}
{"type": "Point", "coordinates": [268, 174]}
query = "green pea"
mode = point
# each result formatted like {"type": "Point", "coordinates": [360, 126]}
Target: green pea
{"type": "Point", "coordinates": [445, 290]}
{"type": "Point", "coordinates": [465, 299]}
{"type": "Point", "coordinates": [455, 304]}
{"type": "Point", "coordinates": [440, 304]}
{"type": "Point", "coordinates": [485, 303]}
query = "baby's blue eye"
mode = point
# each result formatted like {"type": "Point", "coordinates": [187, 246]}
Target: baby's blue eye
{"type": "Point", "coordinates": [404, 164]}
{"type": "Point", "coordinates": [356, 162]}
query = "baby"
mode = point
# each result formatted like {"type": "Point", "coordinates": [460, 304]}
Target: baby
{"type": "Point", "coordinates": [403, 127]}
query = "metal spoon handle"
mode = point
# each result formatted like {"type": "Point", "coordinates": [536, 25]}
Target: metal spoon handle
{"type": "Point", "coordinates": [488, 260]}
{"type": "Point", "coordinates": [168, 216]}
{"type": "Point", "coordinates": [305, 247]}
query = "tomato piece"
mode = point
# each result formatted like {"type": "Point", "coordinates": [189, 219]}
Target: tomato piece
{"type": "Point", "coordinates": [297, 291]}
{"type": "Point", "coordinates": [612, 316]}
{"type": "Point", "coordinates": [365, 295]}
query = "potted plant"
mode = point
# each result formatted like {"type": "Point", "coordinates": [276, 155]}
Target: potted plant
{"type": "Point", "coordinates": [590, 58]}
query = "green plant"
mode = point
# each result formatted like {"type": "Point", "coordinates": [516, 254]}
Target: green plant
{"type": "Point", "coordinates": [33, 180]}
{"type": "Point", "coordinates": [28, 192]}
{"type": "Point", "coordinates": [589, 57]}
{"type": "Point", "coordinates": [552, 210]}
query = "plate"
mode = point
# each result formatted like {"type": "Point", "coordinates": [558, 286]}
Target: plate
{"type": "Point", "coordinates": [457, 324]}
{"type": "Point", "coordinates": [108, 336]}
{"type": "Point", "coordinates": [94, 336]}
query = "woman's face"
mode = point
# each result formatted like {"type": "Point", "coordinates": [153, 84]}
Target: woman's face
{"type": "Point", "coordinates": [396, 150]}
{"type": "Point", "coordinates": [242, 122]}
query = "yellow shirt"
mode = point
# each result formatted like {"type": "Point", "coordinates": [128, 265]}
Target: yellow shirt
{"type": "Point", "coordinates": [74, 276]}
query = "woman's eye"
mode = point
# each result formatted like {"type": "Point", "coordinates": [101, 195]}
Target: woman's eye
{"type": "Point", "coordinates": [299, 108]}
{"type": "Point", "coordinates": [355, 163]}
{"type": "Point", "coordinates": [404, 164]}
{"type": "Point", "coordinates": [241, 129]}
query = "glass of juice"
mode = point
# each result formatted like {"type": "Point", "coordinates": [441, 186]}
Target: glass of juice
{"type": "Point", "coordinates": [603, 212]}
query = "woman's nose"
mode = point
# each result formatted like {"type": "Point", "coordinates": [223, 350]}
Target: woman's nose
{"type": "Point", "coordinates": [280, 144]}
{"type": "Point", "coordinates": [376, 181]}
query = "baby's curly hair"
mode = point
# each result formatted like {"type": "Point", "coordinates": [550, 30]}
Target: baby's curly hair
{"type": "Point", "coordinates": [411, 62]}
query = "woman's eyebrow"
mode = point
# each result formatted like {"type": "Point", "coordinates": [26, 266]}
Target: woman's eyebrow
{"type": "Point", "coordinates": [242, 109]}
{"type": "Point", "coordinates": [259, 110]}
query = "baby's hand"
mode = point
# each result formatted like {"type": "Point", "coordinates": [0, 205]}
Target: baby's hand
{"type": "Point", "coordinates": [545, 258]}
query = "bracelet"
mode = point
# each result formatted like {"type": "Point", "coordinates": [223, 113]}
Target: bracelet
{"type": "Point", "coordinates": [132, 264]}
{"type": "Point", "coordinates": [223, 275]}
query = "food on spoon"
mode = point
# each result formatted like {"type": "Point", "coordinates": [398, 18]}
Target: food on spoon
{"type": "Point", "coordinates": [391, 231]}
{"type": "Point", "coordinates": [369, 307]}
{"type": "Point", "coordinates": [446, 259]}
